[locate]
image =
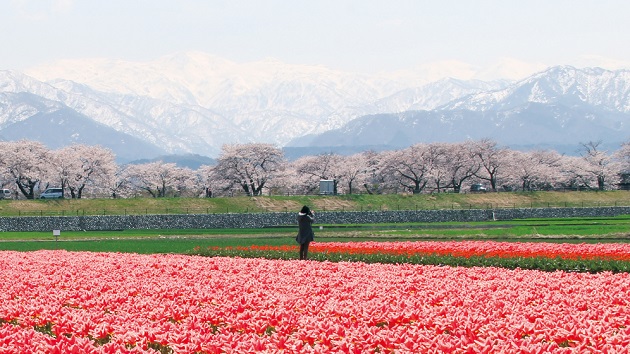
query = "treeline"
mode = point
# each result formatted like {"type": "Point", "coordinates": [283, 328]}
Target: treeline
{"type": "Point", "coordinates": [28, 167]}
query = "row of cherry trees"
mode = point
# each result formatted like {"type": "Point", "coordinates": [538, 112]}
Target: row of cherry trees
{"type": "Point", "coordinates": [28, 167]}
{"type": "Point", "coordinates": [442, 167]}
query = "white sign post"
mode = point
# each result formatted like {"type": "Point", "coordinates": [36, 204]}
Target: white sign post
{"type": "Point", "coordinates": [56, 233]}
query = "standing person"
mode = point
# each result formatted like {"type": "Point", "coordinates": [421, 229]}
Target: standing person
{"type": "Point", "coordinates": [305, 233]}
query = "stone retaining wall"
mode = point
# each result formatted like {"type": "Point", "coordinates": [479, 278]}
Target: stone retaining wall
{"type": "Point", "coordinates": [259, 220]}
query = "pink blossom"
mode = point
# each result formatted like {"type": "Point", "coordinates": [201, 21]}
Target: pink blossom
{"type": "Point", "coordinates": [65, 302]}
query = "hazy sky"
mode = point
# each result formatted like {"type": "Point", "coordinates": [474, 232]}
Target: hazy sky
{"type": "Point", "coordinates": [356, 35]}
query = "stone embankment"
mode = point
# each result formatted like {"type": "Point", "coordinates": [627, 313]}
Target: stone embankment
{"type": "Point", "coordinates": [259, 220]}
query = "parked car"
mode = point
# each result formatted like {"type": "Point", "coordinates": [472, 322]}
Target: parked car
{"type": "Point", "coordinates": [6, 194]}
{"type": "Point", "coordinates": [52, 193]}
{"type": "Point", "coordinates": [478, 187]}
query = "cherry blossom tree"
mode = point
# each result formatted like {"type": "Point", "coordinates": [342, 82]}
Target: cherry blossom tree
{"type": "Point", "coordinates": [438, 176]}
{"type": "Point", "coordinates": [373, 179]}
{"type": "Point", "coordinates": [355, 169]}
{"type": "Point", "coordinates": [289, 183]}
{"type": "Point", "coordinates": [205, 180]}
{"type": "Point", "coordinates": [312, 169]}
{"type": "Point", "coordinates": [410, 167]}
{"type": "Point", "coordinates": [458, 164]}
{"type": "Point", "coordinates": [26, 163]}
{"type": "Point", "coordinates": [283, 182]}
{"type": "Point", "coordinates": [5, 176]}
{"type": "Point", "coordinates": [599, 165]}
{"type": "Point", "coordinates": [78, 166]}
{"type": "Point", "coordinates": [532, 170]}
{"type": "Point", "coordinates": [549, 168]}
{"type": "Point", "coordinates": [250, 166]}
{"type": "Point", "coordinates": [491, 159]}
{"type": "Point", "coordinates": [622, 156]}
{"type": "Point", "coordinates": [450, 164]}
{"type": "Point", "coordinates": [214, 184]}
{"type": "Point", "coordinates": [572, 173]}
{"type": "Point", "coordinates": [159, 179]}
{"type": "Point", "coordinates": [118, 185]}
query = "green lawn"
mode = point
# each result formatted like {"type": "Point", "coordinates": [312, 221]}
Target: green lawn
{"type": "Point", "coordinates": [139, 245]}
{"type": "Point", "coordinates": [615, 229]}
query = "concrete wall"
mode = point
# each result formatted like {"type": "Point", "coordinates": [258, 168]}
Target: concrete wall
{"type": "Point", "coordinates": [258, 220]}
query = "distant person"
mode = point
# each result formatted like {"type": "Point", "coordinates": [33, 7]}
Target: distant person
{"type": "Point", "coordinates": [305, 232]}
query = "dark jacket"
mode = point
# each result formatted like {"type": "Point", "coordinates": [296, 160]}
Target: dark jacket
{"type": "Point", "coordinates": [305, 233]}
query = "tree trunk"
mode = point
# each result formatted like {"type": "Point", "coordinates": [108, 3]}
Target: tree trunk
{"type": "Point", "coordinates": [600, 182]}
{"type": "Point", "coordinates": [27, 188]}
{"type": "Point", "coordinates": [80, 191]}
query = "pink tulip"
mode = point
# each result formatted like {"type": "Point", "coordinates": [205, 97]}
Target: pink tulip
{"type": "Point", "coordinates": [58, 301]}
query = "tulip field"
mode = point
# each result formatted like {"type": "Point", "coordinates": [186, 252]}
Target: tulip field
{"type": "Point", "coordinates": [88, 302]}
{"type": "Point", "coordinates": [581, 257]}
{"type": "Point", "coordinates": [585, 251]}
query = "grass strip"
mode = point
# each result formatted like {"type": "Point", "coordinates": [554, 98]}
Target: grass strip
{"type": "Point", "coordinates": [617, 228]}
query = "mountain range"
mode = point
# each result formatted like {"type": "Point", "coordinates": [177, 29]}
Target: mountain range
{"type": "Point", "coordinates": [558, 109]}
{"type": "Point", "coordinates": [193, 103]}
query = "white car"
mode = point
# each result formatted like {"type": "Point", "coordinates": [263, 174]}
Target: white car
{"type": "Point", "coordinates": [6, 194]}
{"type": "Point", "coordinates": [478, 187]}
{"type": "Point", "coordinates": [52, 193]}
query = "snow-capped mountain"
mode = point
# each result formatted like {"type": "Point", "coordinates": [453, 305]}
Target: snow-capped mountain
{"type": "Point", "coordinates": [192, 102]}
{"type": "Point", "coordinates": [561, 85]}
{"type": "Point", "coordinates": [195, 103]}
{"type": "Point", "coordinates": [557, 108]}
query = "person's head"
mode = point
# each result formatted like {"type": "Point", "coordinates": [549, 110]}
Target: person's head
{"type": "Point", "coordinates": [305, 210]}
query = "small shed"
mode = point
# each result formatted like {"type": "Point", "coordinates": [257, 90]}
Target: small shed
{"type": "Point", "coordinates": [327, 187]}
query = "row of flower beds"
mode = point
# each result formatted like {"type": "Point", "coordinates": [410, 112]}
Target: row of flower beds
{"type": "Point", "coordinates": [582, 257]}
{"type": "Point", "coordinates": [81, 302]}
